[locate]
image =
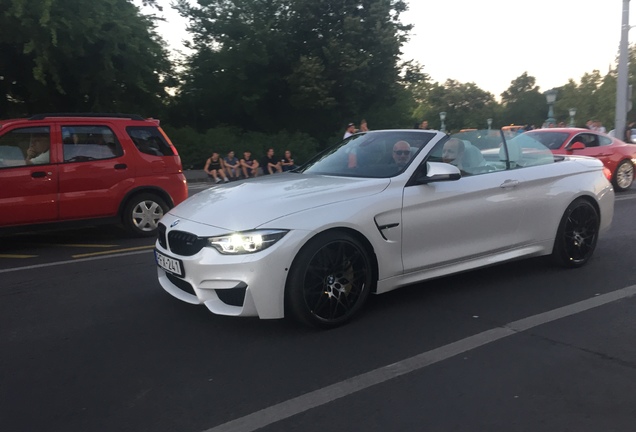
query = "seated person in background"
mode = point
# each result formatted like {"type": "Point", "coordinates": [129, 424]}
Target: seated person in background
{"type": "Point", "coordinates": [287, 163]}
{"type": "Point", "coordinates": [401, 153]}
{"type": "Point", "coordinates": [232, 166]}
{"type": "Point", "coordinates": [38, 151]}
{"type": "Point", "coordinates": [249, 165]}
{"type": "Point", "coordinates": [453, 152]}
{"type": "Point", "coordinates": [214, 168]}
{"type": "Point", "coordinates": [270, 164]}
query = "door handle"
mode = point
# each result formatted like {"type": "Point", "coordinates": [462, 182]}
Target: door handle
{"type": "Point", "coordinates": [120, 166]}
{"type": "Point", "coordinates": [508, 184]}
{"type": "Point", "coordinates": [38, 174]}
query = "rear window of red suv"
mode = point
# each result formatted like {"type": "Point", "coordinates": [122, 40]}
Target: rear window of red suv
{"type": "Point", "coordinates": [149, 140]}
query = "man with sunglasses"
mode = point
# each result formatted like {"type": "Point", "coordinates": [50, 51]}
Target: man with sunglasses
{"type": "Point", "coordinates": [401, 153]}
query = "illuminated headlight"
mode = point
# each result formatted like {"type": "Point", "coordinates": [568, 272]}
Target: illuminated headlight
{"type": "Point", "coordinates": [246, 242]}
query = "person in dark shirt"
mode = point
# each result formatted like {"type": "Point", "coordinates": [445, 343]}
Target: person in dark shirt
{"type": "Point", "coordinates": [215, 168]}
{"type": "Point", "coordinates": [270, 164]}
{"type": "Point", "coordinates": [287, 163]}
{"type": "Point", "coordinates": [249, 165]}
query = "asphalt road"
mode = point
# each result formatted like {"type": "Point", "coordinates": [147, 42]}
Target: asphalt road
{"type": "Point", "coordinates": [90, 342]}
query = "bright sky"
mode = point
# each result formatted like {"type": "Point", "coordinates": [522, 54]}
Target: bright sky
{"type": "Point", "coordinates": [492, 42]}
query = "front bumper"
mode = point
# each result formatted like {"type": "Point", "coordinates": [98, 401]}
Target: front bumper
{"type": "Point", "coordinates": [240, 285]}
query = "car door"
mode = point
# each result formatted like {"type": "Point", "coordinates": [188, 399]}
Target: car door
{"type": "Point", "coordinates": [94, 175]}
{"type": "Point", "coordinates": [592, 146]}
{"type": "Point", "coordinates": [450, 221]}
{"type": "Point", "coordinates": [29, 192]}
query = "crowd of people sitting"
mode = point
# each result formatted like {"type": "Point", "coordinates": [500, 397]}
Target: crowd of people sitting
{"type": "Point", "coordinates": [229, 168]}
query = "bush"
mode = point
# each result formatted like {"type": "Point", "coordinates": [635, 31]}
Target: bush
{"type": "Point", "coordinates": [195, 147]}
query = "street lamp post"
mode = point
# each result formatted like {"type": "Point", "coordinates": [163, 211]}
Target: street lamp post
{"type": "Point", "coordinates": [572, 114]}
{"type": "Point", "coordinates": [489, 121]}
{"type": "Point", "coordinates": [442, 117]}
{"type": "Point", "coordinates": [550, 97]}
{"type": "Point", "coordinates": [622, 78]}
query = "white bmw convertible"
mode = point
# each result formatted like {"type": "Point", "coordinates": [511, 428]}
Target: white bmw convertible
{"type": "Point", "coordinates": [378, 211]}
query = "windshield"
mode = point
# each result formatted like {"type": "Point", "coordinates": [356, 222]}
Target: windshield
{"type": "Point", "coordinates": [552, 140]}
{"type": "Point", "coordinates": [376, 154]}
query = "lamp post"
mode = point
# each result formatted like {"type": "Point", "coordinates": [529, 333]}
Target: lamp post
{"type": "Point", "coordinates": [550, 97]}
{"type": "Point", "coordinates": [572, 114]}
{"type": "Point", "coordinates": [622, 78]}
{"type": "Point", "coordinates": [442, 117]}
{"type": "Point", "coordinates": [489, 121]}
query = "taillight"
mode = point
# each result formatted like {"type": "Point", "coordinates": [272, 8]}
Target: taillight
{"type": "Point", "coordinates": [608, 173]}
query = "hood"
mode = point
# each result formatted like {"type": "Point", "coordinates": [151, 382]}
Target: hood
{"type": "Point", "coordinates": [251, 203]}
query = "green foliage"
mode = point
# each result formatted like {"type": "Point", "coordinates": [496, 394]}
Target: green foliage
{"type": "Point", "coordinates": [73, 55]}
{"type": "Point", "coordinates": [465, 105]}
{"type": "Point", "coordinates": [523, 103]}
{"type": "Point", "coordinates": [306, 65]}
{"type": "Point", "coordinates": [195, 147]}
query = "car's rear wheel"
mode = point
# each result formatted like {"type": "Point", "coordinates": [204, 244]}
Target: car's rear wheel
{"type": "Point", "coordinates": [623, 176]}
{"type": "Point", "coordinates": [142, 213]}
{"type": "Point", "coordinates": [329, 281]}
{"type": "Point", "coordinates": [577, 234]}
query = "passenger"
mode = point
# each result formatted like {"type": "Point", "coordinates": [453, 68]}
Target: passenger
{"type": "Point", "coordinates": [38, 152]}
{"type": "Point", "coordinates": [249, 165]}
{"type": "Point", "coordinates": [453, 152]}
{"type": "Point", "coordinates": [215, 169]}
{"type": "Point", "coordinates": [401, 153]}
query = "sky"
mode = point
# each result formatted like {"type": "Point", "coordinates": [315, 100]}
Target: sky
{"type": "Point", "coordinates": [492, 42]}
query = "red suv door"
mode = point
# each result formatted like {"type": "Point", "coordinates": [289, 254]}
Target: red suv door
{"type": "Point", "coordinates": [28, 175]}
{"type": "Point", "coordinates": [94, 175]}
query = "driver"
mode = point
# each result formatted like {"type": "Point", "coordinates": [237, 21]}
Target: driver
{"type": "Point", "coordinates": [401, 153]}
{"type": "Point", "coordinates": [38, 151]}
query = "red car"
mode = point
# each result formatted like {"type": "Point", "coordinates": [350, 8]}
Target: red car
{"type": "Point", "coordinates": [618, 156]}
{"type": "Point", "coordinates": [87, 167]}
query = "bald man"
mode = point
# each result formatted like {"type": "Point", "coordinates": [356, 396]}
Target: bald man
{"type": "Point", "coordinates": [401, 153]}
{"type": "Point", "coordinates": [453, 152]}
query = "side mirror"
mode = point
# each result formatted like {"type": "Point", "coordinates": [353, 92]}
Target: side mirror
{"type": "Point", "coordinates": [576, 146]}
{"type": "Point", "coordinates": [439, 171]}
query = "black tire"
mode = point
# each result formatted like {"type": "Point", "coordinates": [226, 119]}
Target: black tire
{"type": "Point", "coordinates": [142, 213]}
{"type": "Point", "coordinates": [623, 176]}
{"type": "Point", "coordinates": [329, 281]}
{"type": "Point", "coordinates": [577, 234]}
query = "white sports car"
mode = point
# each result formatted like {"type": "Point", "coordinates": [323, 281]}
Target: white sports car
{"type": "Point", "coordinates": [378, 211]}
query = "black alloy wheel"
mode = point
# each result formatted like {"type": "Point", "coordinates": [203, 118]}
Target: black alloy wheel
{"type": "Point", "coordinates": [329, 280]}
{"type": "Point", "coordinates": [577, 235]}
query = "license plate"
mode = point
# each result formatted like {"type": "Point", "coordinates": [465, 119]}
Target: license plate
{"type": "Point", "coordinates": [171, 265]}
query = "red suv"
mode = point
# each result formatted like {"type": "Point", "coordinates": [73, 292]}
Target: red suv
{"type": "Point", "coordinates": [98, 167]}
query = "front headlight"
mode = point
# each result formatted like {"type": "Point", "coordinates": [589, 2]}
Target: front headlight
{"type": "Point", "coordinates": [246, 242]}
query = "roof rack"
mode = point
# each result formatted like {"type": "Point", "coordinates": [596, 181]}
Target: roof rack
{"type": "Point", "coordinates": [87, 115]}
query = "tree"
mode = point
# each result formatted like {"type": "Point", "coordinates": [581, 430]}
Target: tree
{"type": "Point", "coordinates": [465, 105]}
{"type": "Point", "coordinates": [523, 103]}
{"type": "Point", "coordinates": [73, 55]}
{"type": "Point", "coordinates": [309, 65]}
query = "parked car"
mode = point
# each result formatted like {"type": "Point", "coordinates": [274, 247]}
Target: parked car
{"type": "Point", "coordinates": [68, 168]}
{"type": "Point", "coordinates": [618, 156]}
{"type": "Point", "coordinates": [314, 242]}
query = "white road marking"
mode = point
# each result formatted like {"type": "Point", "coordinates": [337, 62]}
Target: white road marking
{"type": "Point", "coordinates": [624, 197]}
{"type": "Point", "coordinates": [300, 404]}
{"type": "Point", "coordinates": [52, 264]}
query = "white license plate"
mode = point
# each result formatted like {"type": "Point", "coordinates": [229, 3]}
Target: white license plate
{"type": "Point", "coordinates": [171, 265]}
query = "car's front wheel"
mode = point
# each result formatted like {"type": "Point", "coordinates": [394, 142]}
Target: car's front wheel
{"type": "Point", "coordinates": [577, 234]}
{"type": "Point", "coordinates": [329, 281]}
{"type": "Point", "coordinates": [142, 213]}
{"type": "Point", "coordinates": [623, 176]}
